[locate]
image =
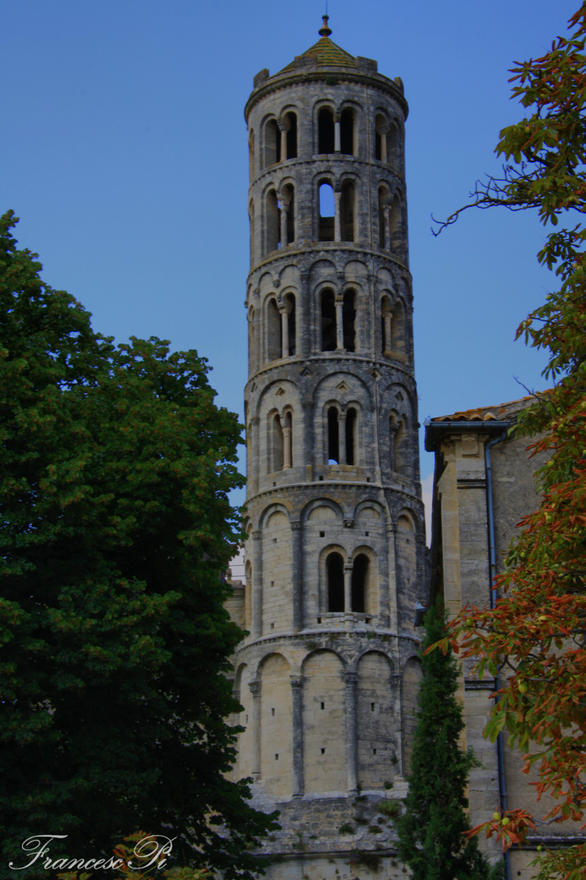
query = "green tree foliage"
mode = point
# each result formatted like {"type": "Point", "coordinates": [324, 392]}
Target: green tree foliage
{"type": "Point", "coordinates": [432, 829]}
{"type": "Point", "coordinates": [115, 468]}
{"type": "Point", "coordinates": [536, 632]}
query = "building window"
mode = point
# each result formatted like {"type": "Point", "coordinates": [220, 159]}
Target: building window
{"type": "Point", "coordinates": [288, 205]}
{"type": "Point", "coordinates": [327, 212]}
{"type": "Point", "coordinates": [341, 437]}
{"type": "Point", "coordinates": [333, 436]}
{"type": "Point", "coordinates": [328, 320]}
{"type": "Point", "coordinates": [290, 326]}
{"type": "Point", "coordinates": [381, 138]}
{"type": "Point", "coordinates": [395, 232]}
{"type": "Point", "coordinates": [274, 345]}
{"type": "Point", "coordinates": [325, 131]}
{"type": "Point", "coordinates": [349, 320]}
{"type": "Point", "coordinates": [347, 210]}
{"type": "Point", "coordinates": [291, 135]}
{"type": "Point", "coordinates": [251, 154]}
{"type": "Point", "coordinates": [273, 222]}
{"type": "Point", "coordinates": [272, 143]}
{"type": "Point", "coordinates": [383, 206]}
{"type": "Point", "coordinates": [386, 325]}
{"type": "Point", "coordinates": [335, 582]}
{"type": "Point", "coordinates": [359, 582]}
{"type": "Point", "coordinates": [350, 431]}
{"type": "Point", "coordinates": [347, 132]}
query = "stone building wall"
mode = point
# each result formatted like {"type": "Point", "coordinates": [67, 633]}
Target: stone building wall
{"type": "Point", "coordinates": [477, 459]}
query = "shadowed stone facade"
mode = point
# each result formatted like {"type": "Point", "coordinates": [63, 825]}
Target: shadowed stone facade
{"type": "Point", "coordinates": [328, 674]}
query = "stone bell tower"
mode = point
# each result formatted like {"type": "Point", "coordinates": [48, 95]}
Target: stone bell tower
{"type": "Point", "coordinates": [328, 674]}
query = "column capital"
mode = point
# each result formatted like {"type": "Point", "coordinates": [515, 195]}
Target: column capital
{"type": "Point", "coordinates": [296, 682]}
{"type": "Point", "coordinates": [255, 687]}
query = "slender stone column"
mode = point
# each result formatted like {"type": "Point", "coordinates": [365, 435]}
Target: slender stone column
{"type": "Point", "coordinates": [286, 446]}
{"type": "Point", "coordinates": [297, 703]}
{"type": "Point", "coordinates": [337, 137]}
{"type": "Point", "coordinates": [339, 324]}
{"type": "Point", "coordinates": [297, 575]}
{"type": "Point", "coordinates": [257, 584]}
{"type": "Point", "coordinates": [383, 146]}
{"type": "Point", "coordinates": [337, 218]}
{"type": "Point", "coordinates": [350, 683]}
{"type": "Point", "coordinates": [388, 331]}
{"type": "Point", "coordinates": [347, 588]}
{"type": "Point", "coordinates": [285, 332]}
{"type": "Point", "coordinates": [283, 220]}
{"type": "Point", "coordinates": [255, 690]}
{"type": "Point", "coordinates": [283, 142]}
{"type": "Point", "coordinates": [342, 439]}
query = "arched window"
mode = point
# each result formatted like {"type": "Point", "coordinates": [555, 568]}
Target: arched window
{"type": "Point", "coordinates": [402, 448]}
{"type": "Point", "coordinates": [349, 320]}
{"type": "Point", "coordinates": [395, 226]}
{"type": "Point", "coordinates": [251, 228]}
{"type": "Point", "coordinates": [247, 594]}
{"type": "Point", "coordinates": [383, 204]}
{"type": "Point", "coordinates": [359, 582]}
{"type": "Point", "coordinates": [333, 436]}
{"type": "Point", "coordinates": [274, 328]}
{"type": "Point", "coordinates": [325, 131]}
{"type": "Point", "coordinates": [287, 429]}
{"type": "Point", "coordinates": [347, 210]}
{"type": "Point", "coordinates": [394, 146]}
{"type": "Point", "coordinates": [350, 431]}
{"type": "Point", "coordinates": [288, 205]}
{"type": "Point", "coordinates": [272, 144]}
{"type": "Point", "coordinates": [398, 328]}
{"type": "Point", "coordinates": [328, 321]}
{"type": "Point", "coordinates": [342, 435]}
{"type": "Point", "coordinates": [273, 222]}
{"type": "Point", "coordinates": [326, 212]}
{"type": "Point", "coordinates": [335, 582]}
{"type": "Point", "coordinates": [381, 127]}
{"type": "Point", "coordinates": [290, 347]}
{"type": "Point", "coordinates": [251, 339]}
{"type": "Point", "coordinates": [291, 137]}
{"type": "Point", "coordinates": [251, 154]}
{"type": "Point", "coordinates": [276, 443]}
{"type": "Point", "coordinates": [386, 325]}
{"type": "Point", "coordinates": [347, 132]}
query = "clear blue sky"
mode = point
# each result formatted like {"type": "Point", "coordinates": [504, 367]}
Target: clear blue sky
{"type": "Point", "coordinates": [124, 153]}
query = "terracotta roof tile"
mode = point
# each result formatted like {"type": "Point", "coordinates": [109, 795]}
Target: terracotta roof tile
{"type": "Point", "coordinates": [498, 412]}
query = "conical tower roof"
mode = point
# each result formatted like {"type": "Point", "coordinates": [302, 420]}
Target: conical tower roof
{"type": "Point", "coordinates": [325, 51]}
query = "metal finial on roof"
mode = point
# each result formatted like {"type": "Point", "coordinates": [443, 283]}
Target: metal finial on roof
{"type": "Point", "coordinates": [324, 30]}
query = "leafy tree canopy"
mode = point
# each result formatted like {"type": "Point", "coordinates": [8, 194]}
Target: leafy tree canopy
{"type": "Point", "coordinates": [115, 468]}
{"type": "Point", "coordinates": [535, 636]}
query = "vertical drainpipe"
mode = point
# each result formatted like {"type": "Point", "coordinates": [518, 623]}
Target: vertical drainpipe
{"type": "Point", "coordinates": [492, 574]}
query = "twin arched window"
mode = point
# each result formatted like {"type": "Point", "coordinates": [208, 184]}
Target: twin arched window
{"type": "Point", "coordinates": [279, 141]}
{"type": "Point", "coordinates": [341, 435]}
{"type": "Point", "coordinates": [336, 212]}
{"type": "Point", "coordinates": [281, 328]}
{"type": "Point", "coordinates": [279, 218]}
{"type": "Point", "coordinates": [347, 588]}
{"type": "Point", "coordinates": [386, 141]}
{"type": "Point", "coordinates": [336, 136]}
{"type": "Point", "coordinates": [338, 321]}
{"type": "Point", "coordinates": [392, 328]}
{"type": "Point", "coordinates": [280, 445]}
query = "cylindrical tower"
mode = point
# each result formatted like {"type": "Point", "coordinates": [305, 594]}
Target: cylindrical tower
{"type": "Point", "coordinates": [328, 674]}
